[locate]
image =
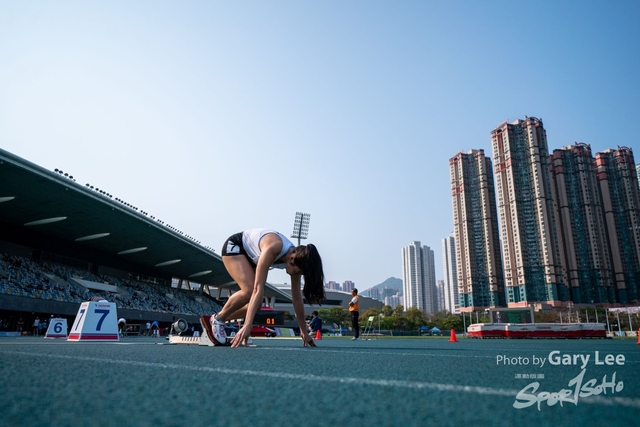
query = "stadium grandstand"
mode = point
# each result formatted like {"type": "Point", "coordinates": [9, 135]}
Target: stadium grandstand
{"type": "Point", "coordinates": [62, 243]}
{"type": "Point", "coordinates": [333, 299]}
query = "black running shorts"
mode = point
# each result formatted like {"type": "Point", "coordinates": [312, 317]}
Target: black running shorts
{"type": "Point", "coordinates": [233, 246]}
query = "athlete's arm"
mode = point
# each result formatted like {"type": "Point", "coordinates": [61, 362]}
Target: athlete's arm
{"type": "Point", "coordinates": [298, 306]}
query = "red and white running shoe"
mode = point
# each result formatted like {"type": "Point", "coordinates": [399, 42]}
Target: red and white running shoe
{"type": "Point", "coordinates": [217, 328]}
{"type": "Point", "coordinates": [214, 329]}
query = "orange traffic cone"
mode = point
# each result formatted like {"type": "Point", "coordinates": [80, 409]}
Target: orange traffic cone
{"type": "Point", "coordinates": [318, 335]}
{"type": "Point", "coordinates": [453, 336]}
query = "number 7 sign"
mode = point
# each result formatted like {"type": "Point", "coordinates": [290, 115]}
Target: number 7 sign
{"type": "Point", "coordinates": [95, 321]}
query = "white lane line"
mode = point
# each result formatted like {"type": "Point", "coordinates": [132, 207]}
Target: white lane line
{"type": "Point", "coordinates": [381, 353]}
{"type": "Point", "coordinates": [418, 353]}
{"type": "Point", "coordinates": [282, 375]}
{"type": "Point", "coordinates": [65, 342]}
{"type": "Point", "coordinates": [621, 401]}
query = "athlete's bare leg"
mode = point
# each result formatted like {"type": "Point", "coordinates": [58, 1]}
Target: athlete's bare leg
{"type": "Point", "coordinates": [242, 272]}
{"type": "Point", "coordinates": [238, 314]}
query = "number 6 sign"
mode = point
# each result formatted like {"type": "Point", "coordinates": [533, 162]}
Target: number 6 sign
{"type": "Point", "coordinates": [57, 328]}
{"type": "Point", "coordinates": [95, 321]}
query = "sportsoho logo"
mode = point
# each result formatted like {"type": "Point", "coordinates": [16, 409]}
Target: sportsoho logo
{"type": "Point", "coordinates": [577, 388]}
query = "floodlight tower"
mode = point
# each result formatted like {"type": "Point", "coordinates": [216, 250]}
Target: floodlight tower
{"type": "Point", "coordinates": [301, 226]}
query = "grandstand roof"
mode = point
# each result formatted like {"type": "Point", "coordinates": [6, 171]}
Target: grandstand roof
{"type": "Point", "coordinates": [51, 212]}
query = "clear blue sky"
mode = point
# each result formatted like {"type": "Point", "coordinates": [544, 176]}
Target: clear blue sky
{"type": "Point", "coordinates": [220, 116]}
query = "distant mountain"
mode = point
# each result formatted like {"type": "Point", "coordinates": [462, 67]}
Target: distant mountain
{"type": "Point", "coordinates": [391, 282]}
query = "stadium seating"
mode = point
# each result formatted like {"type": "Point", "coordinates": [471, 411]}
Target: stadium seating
{"type": "Point", "coordinates": [49, 281]}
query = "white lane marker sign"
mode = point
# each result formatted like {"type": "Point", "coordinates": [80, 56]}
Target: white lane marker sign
{"type": "Point", "coordinates": [57, 328]}
{"type": "Point", "coordinates": [95, 321]}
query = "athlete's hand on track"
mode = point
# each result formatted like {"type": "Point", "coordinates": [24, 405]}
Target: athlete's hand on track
{"type": "Point", "coordinates": [307, 341]}
{"type": "Point", "coordinates": [242, 337]}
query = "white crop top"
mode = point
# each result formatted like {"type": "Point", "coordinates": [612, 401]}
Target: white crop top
{"type": "Point", "coordinates": [251, 244]}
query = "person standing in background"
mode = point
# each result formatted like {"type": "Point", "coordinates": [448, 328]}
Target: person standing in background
{"type": "Point", "coordinates": [42, 327]}
{"type": "Point", "coordinates": [36, 323]}
{"type": "Point", "coordinates": [155, 329]}
{"type": "Point", "coordinates": [354, 310]}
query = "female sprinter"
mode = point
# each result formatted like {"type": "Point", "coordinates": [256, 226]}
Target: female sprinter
{"type": "Point", "coordinates": [247, 256]}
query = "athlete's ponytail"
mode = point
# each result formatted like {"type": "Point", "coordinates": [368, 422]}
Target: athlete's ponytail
{"type": "Point", "coordinates": [308, 260]}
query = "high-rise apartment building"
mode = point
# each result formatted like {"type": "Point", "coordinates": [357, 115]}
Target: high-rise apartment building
{"type": "Point", "coordinates": [393, 301]}
{"type": "Point", "coordinates": [332, 286]}
{"type": "Point", "coordinates": [617, 180]}
{"type": "Point", "coordinates": [387, 292]}
{"type": "Point", "coordinates": [477, 241]}
{"type": "Point", "coordinates": [347, 286]}
{"type": "Point", "coordinates": [583, 240]}
{"type": "Point", "coordinates": [418, 277]}
{"type": "Point", "coordinates": [449, 268]}
{"type": "Point", "coordinates": [439, 295]}
{"type": "Point", "coordinates": [530, 243]}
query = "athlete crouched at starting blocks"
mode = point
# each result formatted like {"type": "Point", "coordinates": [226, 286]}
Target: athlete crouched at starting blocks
{"type": "Point", "coordinates": [247, 256]}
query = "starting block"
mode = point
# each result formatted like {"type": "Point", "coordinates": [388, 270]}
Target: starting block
{"type": "Point", "coordinates": [57, 328]}
{"type": "Point", "coordinates": [177, 339]}
{"type": "Point", "coordinates": [201, 340]}
{"type": "Point", "coordinates": [204, 339]}
{"type": "Point", "coordinates": [95, 321]}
